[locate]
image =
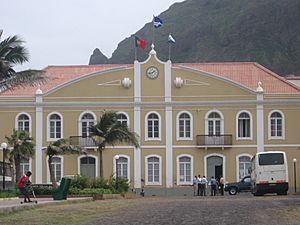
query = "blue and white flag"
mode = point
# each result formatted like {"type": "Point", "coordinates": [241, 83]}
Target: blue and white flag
{"type": "Point", "coordinates": [157, 22]}
{"type": "Point", "coordinates": [171, 39]}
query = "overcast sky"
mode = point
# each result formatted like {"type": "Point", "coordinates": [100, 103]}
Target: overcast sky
{"type": "Point", "coordinates": [65, 32]}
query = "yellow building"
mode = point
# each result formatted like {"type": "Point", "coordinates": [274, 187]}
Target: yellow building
{"type": "Point", "coordinates": [207, 118]}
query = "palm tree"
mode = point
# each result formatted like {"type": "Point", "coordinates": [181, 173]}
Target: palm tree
{"type": "Point", "coordinates": [22, 148]}
{"type": "Point", "coordinates": [12, 52]}
{"type": "Point", "coordinates": [108, 130]}
{"type": "Point", "coordinates": [59, 147]}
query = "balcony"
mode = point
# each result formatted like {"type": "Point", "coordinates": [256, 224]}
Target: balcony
{"type": "Point", "coordinates": [222, 141]}
{"type": "Point", "coordinates": [82, 141]}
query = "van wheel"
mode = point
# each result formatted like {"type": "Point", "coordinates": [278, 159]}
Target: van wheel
{"type": "Point", "coordinates": [232, 191]}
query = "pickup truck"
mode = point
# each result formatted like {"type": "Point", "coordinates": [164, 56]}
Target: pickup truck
{"type": "Point", "coordinates": [242, 186]}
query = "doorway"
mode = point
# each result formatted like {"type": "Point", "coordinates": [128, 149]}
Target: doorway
{"type": "Point", "coordinates": [214, 166]}
{"type": "Point", "coordinates": [88, 166]}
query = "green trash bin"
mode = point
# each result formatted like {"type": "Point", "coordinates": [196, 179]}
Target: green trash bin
{"type": "Point", "coordinates": [62, 191]}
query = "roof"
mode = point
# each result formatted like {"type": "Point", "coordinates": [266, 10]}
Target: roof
{"type": "Point", "coordinates": [246, 74]}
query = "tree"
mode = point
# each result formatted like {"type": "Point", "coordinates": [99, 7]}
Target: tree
{"type": "Point", "coordinates": [59, 147]}
{"type": "Point", "coordinates": [12, 52]}
{"type": "Point", "coordinates": [108, 130]}
{"type": "Point", "coordinates": [22, 148]}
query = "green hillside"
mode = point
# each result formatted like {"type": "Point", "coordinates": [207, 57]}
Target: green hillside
{"type": "Point", "coordinates": [263, 31]}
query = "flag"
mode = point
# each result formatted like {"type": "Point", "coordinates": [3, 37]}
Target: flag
{"type": "Point", "coordinates": [157, 22]}
{"type": "Point", "coordinates": [139, 42]}
{"type": "Point", "coordinates": [171, 39]}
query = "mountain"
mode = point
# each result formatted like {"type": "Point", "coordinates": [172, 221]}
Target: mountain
{"type": "Point", "coordinates": [98, 58]}
{"type": "Point", "coordinates": [263, 31]}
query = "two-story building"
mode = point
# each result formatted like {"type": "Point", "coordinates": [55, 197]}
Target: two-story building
{"type": "Point", "coordinates": [200, 118]}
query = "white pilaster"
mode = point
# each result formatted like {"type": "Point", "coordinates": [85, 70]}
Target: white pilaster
{"type": "Point", "coordinates": [169, 128]}
{"type": "Point", "coordinates": [137, 123]}
{"type": "Point", "coordinates": [38, 137]}
{"type": "Point", "coordinates": [260, 118]}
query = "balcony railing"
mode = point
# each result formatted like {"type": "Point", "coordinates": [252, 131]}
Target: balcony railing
{"type": "Point", "coordinates": [214, 140]}
{"type": "Point", "coordinates": [82, 141]}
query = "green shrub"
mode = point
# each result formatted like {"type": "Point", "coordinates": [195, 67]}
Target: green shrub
{"type": "Point", "coordinates": [121, 187]}
{"type": "Point", "coordinates": [9, 194]}
{"type": "Point", "coordinates": [90, 191]}
{"type": "Point", "coordinates": [81, 182]}
{"type": "Point", "coordinates": [40, 190]}
{"type": "Point", "coordinates": [100, 182]}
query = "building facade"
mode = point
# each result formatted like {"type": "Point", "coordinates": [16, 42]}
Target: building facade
{"type": "Point", "coordinates": [206, 119]}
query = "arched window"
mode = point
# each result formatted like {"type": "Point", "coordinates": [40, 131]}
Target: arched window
{"type": "Point", "coordinates": [153, 126]}
{"type": "Point", "coordinates": [24, 166]}
{"type": "Point", "coordinates": [23, 122]}
{"type": "Point", "coordinates": [214, 124]}
{"type": "Point", "coordinates": [122, 118]}
{"type": "Point", "coordinates": [86, 121]}
{"type": "Point", "coordinates": [57, 168]}
{"type": "Point", "coordinates": [122, 167]}
{"type": "Point", "coordinates": [153, 170]}
{"type": "Point", "coordinates": [55, 126]}
{"type": "Point", "coordinates": [184, 171]}
{"type": "Point", "coordinates": [276, 125]}
{"type": "Point", "coordinates": [244, 125]}
{"type": "Point", "coordinates": [244, 165]}
{"type": "Point", "coordinates": [184, 126]}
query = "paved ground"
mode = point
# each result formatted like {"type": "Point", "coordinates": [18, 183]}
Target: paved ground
{"type": "Point", "coordinates": [241, 209]}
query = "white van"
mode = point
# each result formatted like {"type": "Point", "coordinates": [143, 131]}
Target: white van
{"type": "Point", "coordinates": [269, 173]}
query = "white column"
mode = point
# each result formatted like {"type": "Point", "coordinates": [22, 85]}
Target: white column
{"type": "Point", "coordinates": [169, 127]}
{"type": "Point", "coordinates": [260, 119]}
{"type": "Point", "coordinates": [38, 137]}
{"type": "Point", "coordinates": [137, 123]}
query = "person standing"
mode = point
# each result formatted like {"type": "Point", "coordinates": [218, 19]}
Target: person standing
{"type": "Point", "coordinates": [203, 186]}
{"type": "Point", "coordinates": [195, 184]}
{"type": "Point", "coordinates": [222, 182]}
{"type": "Point", "coordinates": [199, 185]}
{"type": "Point", "coordinates": [213, 186]}
{"type": "Point", "coordinates": [23, 185]}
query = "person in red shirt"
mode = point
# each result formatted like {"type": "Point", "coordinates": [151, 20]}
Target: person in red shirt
{"type": "Point", "coordinates": [23, 185]}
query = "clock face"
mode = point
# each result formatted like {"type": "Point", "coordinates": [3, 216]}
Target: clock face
{"type": "Point", "coordinates": [152, 72]}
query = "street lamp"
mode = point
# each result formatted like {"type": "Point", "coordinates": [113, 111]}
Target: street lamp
{"type": "Point", "coordinates": [3, 146]}
{"type": "Point", "coordinates": [295, 175]}
{"type": "Point", "coordinates": [117, 181]}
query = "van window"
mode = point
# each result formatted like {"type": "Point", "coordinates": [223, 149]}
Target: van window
{"type": "Point", "coordinates": [271, 159]}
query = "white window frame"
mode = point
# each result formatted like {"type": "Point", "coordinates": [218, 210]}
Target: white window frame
{"type": "Point", "coordinates": [221, 118]}
{"type": "Point", "coordinates": [178, 169]}
{"type": "Point", "coordinates": [17, 121]}
{"type": "Point", "coordinates": [128, 165]}
{"type": "Point", "coordinates": [127, 116]}
{"type": "Point", "coordinates": [146, 170]}
{"type": "Point", "coordinates": [237, 125]}
{"type": "Point", "coordinates": [80, 120]}
{"type": "Point", "coordinates": [159, 127]}
{"type": "Point", "coordinates": [237, 159]}
{"type": "Point", "coordinates": [282, 137]}
{"type": "Point", "coordinates": [88, 155]}
{"type": "Point", "coordinates": [178, 138]}
{"type": "Point", "coordinates": [62, 167]}
{"type": "Point", "coordinates": [29, 162]}
{"type": "Point", "coordinates": [61, 127]}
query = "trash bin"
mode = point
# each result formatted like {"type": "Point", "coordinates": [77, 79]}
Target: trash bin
{"type": "Point", "coordinates": [62, 191]}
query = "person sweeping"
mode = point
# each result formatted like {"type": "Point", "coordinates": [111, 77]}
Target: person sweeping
{"type": "Point", "coordinates": [23, 185]}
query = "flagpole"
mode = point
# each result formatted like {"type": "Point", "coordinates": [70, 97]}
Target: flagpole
{"type": "Point", "coordinates": [153, 30]}
{"type": "Point", "coordinates": [135, 53]}
{"type": "Point", "coordinates": [169, 51]}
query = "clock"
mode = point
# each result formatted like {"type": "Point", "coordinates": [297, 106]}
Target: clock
{"type": "Point", "coordinates": [152, 72]}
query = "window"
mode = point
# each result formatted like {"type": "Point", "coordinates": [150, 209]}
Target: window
{"type": "Point", "coordinates": [184, 124]}
{"type": "Point", "coordinates": [184, 170]}
{"type": "Point", "coordinates": [244, 165]}
{"type": "Point", "coordinates": [244, 126]}
{"type": "Point", "coordinates": [24, 166]}
{"type": "Point", "coordinates": [55, 126]}
{"type": "Point", "coordinates": [122, 118]}
{"type": "Point", "coordinates": [56, 166]}
{"type": "Point", "coordinates": [214, 124]}
{"type": "Point", "coordinates": [86, 121]}
{"type": "Point", "coordinates": [122, 167]}
{"type": "Point", "coordinates": [271, 159]}
{"type": "Point", "coordinates": [153, 126]}
{"type": "Point", "coordinates": [276, 125]}
{"type": "Point", "coordinates": [153, 170]}
{"type": "Point", "coordinates": [24, 122]}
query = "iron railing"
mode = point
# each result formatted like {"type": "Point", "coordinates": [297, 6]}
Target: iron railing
{"type": "Point", "coordinates": [214, 140]}
{"type": "Point", "coordinates": [82, 141]}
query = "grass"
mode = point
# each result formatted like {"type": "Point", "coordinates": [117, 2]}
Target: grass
{"type": "Point", "coordinates": [68, 213]}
